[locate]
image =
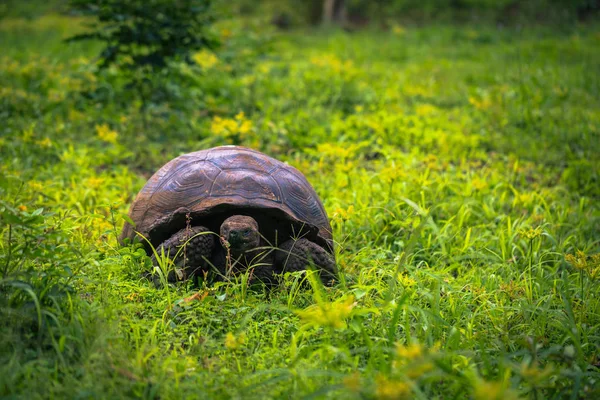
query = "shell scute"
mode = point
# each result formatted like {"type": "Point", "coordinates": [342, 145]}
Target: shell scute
{"type": "Point", "coordinates": [221, 180]}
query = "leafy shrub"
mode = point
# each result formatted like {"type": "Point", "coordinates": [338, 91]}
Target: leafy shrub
{"type": "Point", "coordinates": [38, 301]}
{"type": "Point", "coordinates": [142, 37]}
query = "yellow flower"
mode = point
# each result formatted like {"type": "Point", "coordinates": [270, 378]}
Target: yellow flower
{"type": "Point", "coordinates": [534, 375]}
{"type": "Point", "coordinates": [75, 115]}
{"type": "Point", "coordinates": [332, 315]}
{"type": "Point", "coordinates": [526, 199]}
{"type": "Point", "coordinates": [226, 33]}
{"type": "Point", "coordinates": [531, 233]}
{"type": "Point", "coordinates": [410, 352]}
{"type": "Point", "coordinates": [481, 104]}
{"type": "Point", "coordinates": [334, 64]}
{"type": "Point", "coordinates": [424, 110]}
{"type": "Point", "coordinates": [264, 69]}
{"type": "Point", "coordinates": [406, 280]}
{"type": "Point", "coordinates": [94, 182]}
{"type": "Point", "coordinates": [398, 30]}
{"type": "Point", "coordinates": [344, 213]}
{"type": "Point", "coordinates": [248, 80]}
{"type": "Point", "coordinates": [205, 59]}
{"type": "Point", "coordinates": [332, 150]}
{"type": "Point", "coordinates": [36, 186]}
{"type": "Point", "coordinates": [582, 262]}
{"type": "Point", "coordinates": [28, 133]}
{"type": "Point", "coordinates": [233, 342]}
{"type": "Point", "coordinates": [23, 207]}
{"type": "Point", "coordinates": [45, 142]}
{"type": "Point", "coordinates": [392, 173]}
{"type": "Point", "coordinates": [237, 129]}
{"type": "Point", "coordinates": [133, 297]}
{"type": "Point", "coordinates": [106, 134]}
{"type": "Point", "coordinates": [578, 261]}
{"type": "Point", "coordinates": [479, 184]}
{"type": "Point", "coordinates": [492, 391]}
{"type": "Point", "coordinates": [421, 368]}
{"type": "Point", "coordinates": [389, 389]}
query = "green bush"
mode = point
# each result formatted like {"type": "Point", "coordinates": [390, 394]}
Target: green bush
{"type": "Point", "coordinates": [141, 37]}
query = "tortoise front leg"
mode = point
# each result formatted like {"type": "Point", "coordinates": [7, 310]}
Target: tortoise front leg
{"type": "Point", "coordinates": [297, 255]}
{"type": "Point", "coordinates": [188, 249]}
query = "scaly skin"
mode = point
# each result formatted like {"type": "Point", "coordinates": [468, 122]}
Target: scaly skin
{"type": "Point", "coordinates": [297, 255]}
{"type": "Point", "coordinates": [242, 241]}
{"type": "Point", "coordinates": [243, 250]}
{"type": "Point", "coordinates": [193, 258]}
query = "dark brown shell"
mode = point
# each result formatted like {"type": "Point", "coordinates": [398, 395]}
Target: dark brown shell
{"type": "Point", "coordinates": [206, 186]}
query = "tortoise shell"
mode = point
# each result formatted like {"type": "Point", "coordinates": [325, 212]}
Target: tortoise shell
{"type": "Point", "coordinates": [205, 187]}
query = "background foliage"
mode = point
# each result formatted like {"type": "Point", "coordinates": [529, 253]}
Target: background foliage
{"type": "Point", "coordinates": [459, 166]}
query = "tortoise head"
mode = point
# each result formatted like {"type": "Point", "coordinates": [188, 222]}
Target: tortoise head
{"type": "Point", "coordinates": [241, 232]}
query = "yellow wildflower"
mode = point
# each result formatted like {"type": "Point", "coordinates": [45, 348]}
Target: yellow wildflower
{"type": "Point", "coordinates": [392, 173]}
{"type": "Point", "coordinates": [23, 207]}
{"type": "Point", "coordinates": [94, 182]}
{"type": "Point", "coordinates": [492, 391]}
{"type": "Point", "coordinates": [233, 342]}
{"type": "Point", "coordinates": [75, 115]}
{"type": "Point", "coordinates": [245, 127]}
{"type": "Point", "coordinates": [479, 184]}
{"type": "Point", "coordinates": [421, 368]}
{"type": "Point", "coordinates": [406, 281]}
{"type": "Point", "coordinates": [332, 150]}
{"type": "Point", "coordinates": [431, 161]}
{"type": "Point", "coordinates": [333, 315]}
{"type": "Point", "coordinates": [36, 186]}
{"type": "Point", "coordinates": [389, 389]}
{"type": "Point", "coordinates": [205, 59]}
{"type": "Point", "coordinates": [248, 80]}
{"type": "Point", "coordinates": [106, 134]}
{"type": "Point", "coordinates": [226, 33]}
{"type": "Point", "coordinates": [409, 352]}
{"type": "Point", "coordinates": [526, 199]}
{"type": "Point", "coordinates": [45, 142]}
{"type": "Point", "coordinates": [398, 30]}
{"type": "Point", "coordinates": [582, 262]}
{"type": "Point", "coordinates": [481, 103]}
{"type": "Point", "coordinates": [334, 64]}
{"type": "Point", "coordinates": [535, 375]}
{"type": "Point", "coordinates": [28, 133]}
{"type": "Point", "coordinates": [424, 110]}
{"type": "Point", "coordinates": [264, 69]}
{"type": "Point", "coordinates": [237, 129]}
{"type": "Point", "coordinates": [344, 213]}
{"type": "Point", "coordinates": [578, 261]}
{"type": "Point", "coordinates": [414, 90]}
{"type": "Point", "coordinates": [133, 297]}
{"type": "Point", "coordinates": [531, 233]}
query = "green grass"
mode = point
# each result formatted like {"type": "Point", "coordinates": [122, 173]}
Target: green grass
{"type": "Point", "coordinates": [459, 167]}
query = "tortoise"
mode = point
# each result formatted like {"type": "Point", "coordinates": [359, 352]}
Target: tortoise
{"type": "Point", "coordinates": [268, 217]}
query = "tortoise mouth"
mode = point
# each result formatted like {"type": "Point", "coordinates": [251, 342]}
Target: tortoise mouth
{"type": "Point", "coordinates": [240, 243]}
{"type": "Point", "coordinates": [240, 248]}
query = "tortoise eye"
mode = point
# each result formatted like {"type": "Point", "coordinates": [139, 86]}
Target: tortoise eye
{"type": "Point", "coordinates": [246, 232]}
